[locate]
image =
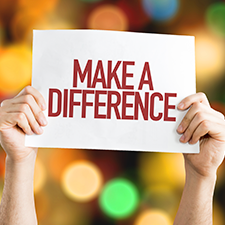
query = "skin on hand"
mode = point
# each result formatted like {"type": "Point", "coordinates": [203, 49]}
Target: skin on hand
{"type": "Point", "coordinates": [204, 124]}
{"type": "Point", "coordinates": [19, 116]}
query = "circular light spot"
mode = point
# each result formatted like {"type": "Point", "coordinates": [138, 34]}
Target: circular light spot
{"type": "Point", "coordinates": [163, 169]}
{"type": "Point", "coordinates": [119, 198]}
{"type": "Point", "coordinates": [81, 181]}
{"type": "Point", "coordinates": [108, 17]}
{"type": "Point", "coordinates": [161, 9]}
{"type": "Point", "coordinates": [155, 217]}
{"type": "Point", "coordinates": [215, 18]}
{"type": "Point", "coordinates": [210, 56]}
{"type": "Point", "coordinates": [15, 69]}
{"type": "Point", "coordinates": [39, 176]}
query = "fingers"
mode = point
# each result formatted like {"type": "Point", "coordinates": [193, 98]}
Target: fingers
{"type": "Point", "coordinates": [24, 101]}
{"type": "Point", "coordinates": [13, 119]}
{"type": "Point", "coordinates": [199, 119]}
{"type": "Point", "coordinates": [207, 127]}
{"type": "Point", "coordinates": [26, 108]}
{"type": "Point", "coordinates": [196, 108]}
{"type": "Point", "coordinates": [35, 120]}
{"type": "Point", "coordinates": [188, 101]}
{"type": "Point", "coordinates": [29, 90]}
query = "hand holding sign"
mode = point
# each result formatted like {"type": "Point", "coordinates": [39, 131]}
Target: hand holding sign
{"type": "Point", "coordinates": [19, 116]}
{"type": "Point", "coordinates": [207, 125]}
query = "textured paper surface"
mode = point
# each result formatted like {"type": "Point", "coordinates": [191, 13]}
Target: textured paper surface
{"type": "Point", "coordinates": [171, 59]}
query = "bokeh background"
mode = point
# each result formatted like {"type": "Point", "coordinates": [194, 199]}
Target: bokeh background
{"type": "Point", "coordinates": [91, 187]}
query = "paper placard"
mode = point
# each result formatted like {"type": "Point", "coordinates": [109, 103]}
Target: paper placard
{"type": "Point", "coordinates": [112, 90]}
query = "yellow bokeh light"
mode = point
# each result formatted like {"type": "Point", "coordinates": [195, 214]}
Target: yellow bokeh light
{"type": "Point", "coordinates": [15, 69]}
{"type": "Point", "coordinates": [154, 217]}
{"type": "Point", "coordinates": [82, 181]}
{"type": "Point", "coordinates": [39, 176]}
{"type": "Point", "coordinates": [210, 56]}
{"type": "Point", "coordinates": [108, 17]}
{"type": "Point", "coordinates": [162, 168]}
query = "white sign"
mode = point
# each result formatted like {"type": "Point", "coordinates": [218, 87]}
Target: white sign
{"type": "Point", "coordinates": [112, 90]}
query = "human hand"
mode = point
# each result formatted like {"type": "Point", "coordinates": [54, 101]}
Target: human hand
{"type": "Point", "coordinates": [19, 116]}
{"type": "Point", "coordinates": [202, 123]}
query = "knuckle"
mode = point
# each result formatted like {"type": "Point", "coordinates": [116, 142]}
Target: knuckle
{"type": "Point", "coordinates": [20, 116]}
{"type": "Point", "coordinates": [28, 98]}
{"type": "Point", "coordinates": [205, 124]}
{"type": "Point", "coordinates": [24, 107]}
{"type": "Point", "coordinates": [200, 116]}
{"type": "Point", "coordinates": [27, 89]}
{"type": "Point", "coordinates": [202, 95]}
{"type": "Point", "coordinates": [197, 106]}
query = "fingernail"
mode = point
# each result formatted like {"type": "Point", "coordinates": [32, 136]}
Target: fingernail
{"type": "Point", "coordinates": [40, 130]}
{"type": "Point", "coordinates": [182, 138]}
{"type": "Point", "coordinates": [43, 121]}
{"type": "Point", "coordinates": [181, 105]}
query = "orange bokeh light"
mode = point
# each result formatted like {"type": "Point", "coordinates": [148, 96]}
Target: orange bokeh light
{"type": "Point", "coordinates": [210, 56]}
{"type": "Point", "coordinates": [108, 17]}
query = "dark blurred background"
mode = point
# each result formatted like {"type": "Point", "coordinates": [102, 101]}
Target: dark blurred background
{"type": "Point", "coordinates": [80, 187]}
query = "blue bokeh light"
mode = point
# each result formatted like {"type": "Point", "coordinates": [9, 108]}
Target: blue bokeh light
{"type": "Point", "coordinates": [161, 10]}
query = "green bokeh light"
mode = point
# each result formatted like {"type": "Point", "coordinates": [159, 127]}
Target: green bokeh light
{"type": "Point", "coordinates": [119, 198]}
{"type": "Point", "coordinates": [215, 18]}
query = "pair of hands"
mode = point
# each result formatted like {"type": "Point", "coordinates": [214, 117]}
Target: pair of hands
{"type": "Point", "coordinates": [24, 115]}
